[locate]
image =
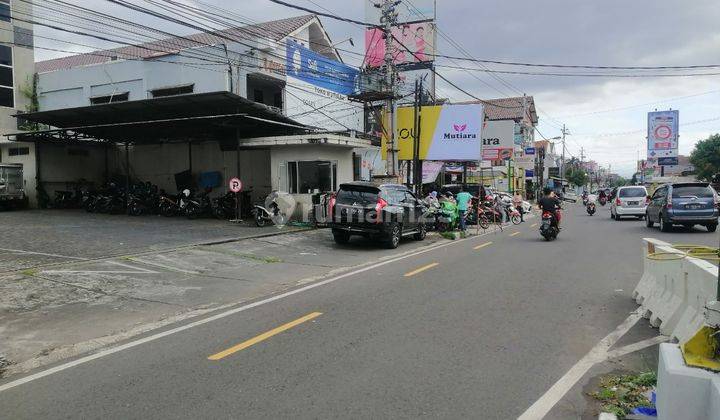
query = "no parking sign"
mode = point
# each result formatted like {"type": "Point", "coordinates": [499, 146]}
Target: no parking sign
{"type": "Point", "coordinates": [235, 185]}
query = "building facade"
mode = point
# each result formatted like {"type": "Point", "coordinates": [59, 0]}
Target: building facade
{"type": "Point", "coordinates": [17, 67]}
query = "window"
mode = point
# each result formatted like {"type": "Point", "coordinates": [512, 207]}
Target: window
{"type": "Point", "coordinates": [306, 177]}
{"type": "Point", "coordinates": [18, 151]}
{"type": "Point", "coordinates": [258, 96]}
{"type": "Point", "coordinates": [118, 97]}
{"type": "Point", "coordinates": [277, 100]}
{"type": "Point", "coordinates": [7, 86]}
{"type": "Point", "coordinates": [688, 191]}
{"type": "Point", "coordinates": [5, 14]}
{"type": "Point", "coordinates": [172, 91]}
{"type": "Point", "coordinates": [632, 192]}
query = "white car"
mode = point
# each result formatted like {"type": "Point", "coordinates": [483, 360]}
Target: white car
{"type": "Point", "coordinates": [630, 200]}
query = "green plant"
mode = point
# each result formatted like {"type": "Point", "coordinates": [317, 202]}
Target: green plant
{"type": "Point", "coordinates": [706, 157]}
{"type": "Point", "coordinates": [620, 394]}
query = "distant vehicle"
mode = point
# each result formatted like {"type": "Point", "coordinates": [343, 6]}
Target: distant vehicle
{"type": "Point", "coordinates": [382, 212]}
{"type": "Point", "coordinates": [687, 204]}
{"type": "Point", "coordinates": [12, 189]}
{"type": "Point", "coordinates": [629, 201]}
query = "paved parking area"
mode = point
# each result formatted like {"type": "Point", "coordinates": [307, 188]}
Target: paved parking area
{"type": "Point", "coordinates": [61, 295]}
{"type": "Point", "coordinates": [35, 237]}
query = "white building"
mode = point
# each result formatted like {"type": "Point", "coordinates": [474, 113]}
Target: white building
{"type": "Point", "coordinates": [266, 102]}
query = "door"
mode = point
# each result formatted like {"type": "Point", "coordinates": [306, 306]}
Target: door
{"type": "Point", "coordinates": [656, 203]}
{"type": "Point", "coordinates": [410, 206]}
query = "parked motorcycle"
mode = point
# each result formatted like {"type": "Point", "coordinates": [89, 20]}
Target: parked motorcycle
{"type": "Point", "coordinates": [224, 207]}
{"type": "Point", "coordinates": [169, 205]}
{"type": "Point", "coordinates": [548, 227]}
{"type": "Point", "coordinates": [197, 205]}
{"type": "Point", "coordinates": [278, 209]}
{"type": "Point", "coordinates": [448, 217]}
{"type": "Point", "coordinates": [512, 214]}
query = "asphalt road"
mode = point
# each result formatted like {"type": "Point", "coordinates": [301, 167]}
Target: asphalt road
{"type": "Point", "coordinates": [456, 332]}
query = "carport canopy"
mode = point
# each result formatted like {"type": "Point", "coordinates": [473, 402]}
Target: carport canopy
{"type": "Point", "coordinates": [220, 116]}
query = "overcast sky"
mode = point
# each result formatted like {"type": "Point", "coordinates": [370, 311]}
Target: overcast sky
{"type": "Point", "coordinates": [609, 32]}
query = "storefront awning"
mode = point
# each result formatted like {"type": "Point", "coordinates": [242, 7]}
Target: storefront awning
{"type": "Point", "coordinates": [221, 116]}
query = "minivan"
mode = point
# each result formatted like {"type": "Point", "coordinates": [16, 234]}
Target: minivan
{"type": "Point", "coordinates": [629, 200]}
{"type": "Point", "coordinates": [687, 204]}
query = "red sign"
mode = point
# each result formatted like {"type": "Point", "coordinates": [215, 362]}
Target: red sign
{"type": "Point", "coordinates": [235, 185]}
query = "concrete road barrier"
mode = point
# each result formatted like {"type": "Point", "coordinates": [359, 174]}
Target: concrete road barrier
{"type": "Point", "coordinates": [674, 289]}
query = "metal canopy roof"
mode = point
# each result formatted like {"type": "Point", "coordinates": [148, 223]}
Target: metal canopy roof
{"type": "Point", "coordinates": [221, 116]}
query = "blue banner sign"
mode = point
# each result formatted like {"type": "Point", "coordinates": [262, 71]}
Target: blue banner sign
{"type": "Point", "coordinates": [311, 67]}
{"type": "Point", "coordinates": [529, 173]}
{"type": "Point", "coordinates": [529, 150]}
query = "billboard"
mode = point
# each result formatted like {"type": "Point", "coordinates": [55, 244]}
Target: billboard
{"type": "Point", "coordinates": [447, 132]}
{"type": "Point", "coordinates": [313, 105]}
{"type": "Point", "coordinates": [498, 139]}
{"type": "Point", "coordinates": [304, 64]}
{"type": "Point", "coordinates": [662, 134]}
{"type": "Point", "coordinates": [406, 82]}
{"type": "Point", "coordinates": [417, 11]}
{"type": "Point", "coordinates": [412, 43]}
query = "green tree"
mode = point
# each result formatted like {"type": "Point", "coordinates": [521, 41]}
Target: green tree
{"type": "Point", "coordinates": [706, 157]}
{"type": "Point", "coordinates": [576, 176]}
{"type": "Point", "coordinates": [619, 182]}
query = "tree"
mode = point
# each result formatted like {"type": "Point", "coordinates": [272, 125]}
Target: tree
{"type": "Point", "coordinates": [576, 176]}
{"type": "Point", "coordinates": [706, 157]}
{"type": "Point", "coordinates": [619, 182]}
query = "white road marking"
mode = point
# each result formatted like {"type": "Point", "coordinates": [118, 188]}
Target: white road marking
{"type": "Point", "coordinates": [166, 267]}
{"type": "Point", "coordinates": [597, 354]}
{"type": "Point", "coordinates": [20, 251]}
{"type": "Point", "coordinates": [631, 348]}
{"type": "Point", "coordinates": [133, 270]}
{"type": "Point", "coordinates": [135, 343]}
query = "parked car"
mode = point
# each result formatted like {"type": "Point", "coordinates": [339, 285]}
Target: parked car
{"type": "Point", "coordinates": [629, 201]}
{"type": "Point", "coordinates": [687, 204]}
{"type": "Point", "coordinates": [382, 212]}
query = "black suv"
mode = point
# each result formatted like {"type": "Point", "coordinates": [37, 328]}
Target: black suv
{"type": "Point", "coordinates": [385, 212]}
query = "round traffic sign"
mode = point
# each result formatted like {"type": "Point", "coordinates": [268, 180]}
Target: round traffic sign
{"type": "Point", "coordinates": [235, 185]}
{"type": "Point", "coordinates": [663, 132]}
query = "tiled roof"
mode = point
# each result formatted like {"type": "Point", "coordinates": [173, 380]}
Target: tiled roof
{"type": "Point", "coordinates": [507, 108]}
{"type": "Point", "coordinates": [274, 30]}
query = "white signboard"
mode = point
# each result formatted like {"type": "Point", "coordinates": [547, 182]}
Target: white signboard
{"type": "Point", "coordinates": [319, 107]}
{"type": "Point", "coordinates": [663, 134]}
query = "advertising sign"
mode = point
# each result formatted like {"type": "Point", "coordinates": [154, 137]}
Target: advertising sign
{"type": "Point", "coordinates": [667, 161]}
{"type": "Point", "coordinates": [319, 107]}
{"type": "Point", "coordinates": [498, 139]}
{"type": "Point", "coordinates": [529, 150]}
{"type": "Point", "coordinates": [447, 132]}
{"type": "Point", "coordinates": [311, 67]}
{"type": "Point", "coordinates": [406, 82]}
{"type": "Point", "coordinates": [663, 134]}
{"type": "Point", "coordinates": [529, 173]}
{"type": "Point", "coordinates": [412, 43]}
{"type": "Point", "coordinates": [417, 11]}
{"type": "Point", "coordinates": [430, 171]}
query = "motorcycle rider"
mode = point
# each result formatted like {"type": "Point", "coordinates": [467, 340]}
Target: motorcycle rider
{"type": "Point", "coordinates": [551, 204]}
{"type": "Point", "coordinates": [517, 201]}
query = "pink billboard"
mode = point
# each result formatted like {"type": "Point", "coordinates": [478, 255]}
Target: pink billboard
{"type": "Point", "coordinates": [412, 43]}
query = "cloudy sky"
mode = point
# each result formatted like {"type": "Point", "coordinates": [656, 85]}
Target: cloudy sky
{"type": "Point", "coordinates": [605, 116]}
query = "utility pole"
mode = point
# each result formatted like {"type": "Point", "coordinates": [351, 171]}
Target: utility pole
{"type": "Point", "coordinates": [562, 162]}
{"type": "Point", "coordinates": [388, 20]}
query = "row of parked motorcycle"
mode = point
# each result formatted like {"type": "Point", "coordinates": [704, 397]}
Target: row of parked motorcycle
{"type": "Point", "coordinates": [489, 211]}
{"type": "Point", "coordinates": [146, 198]}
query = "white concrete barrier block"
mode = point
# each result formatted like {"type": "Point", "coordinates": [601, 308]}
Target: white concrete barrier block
{"type": "Point", "coordinates": [684, 392]}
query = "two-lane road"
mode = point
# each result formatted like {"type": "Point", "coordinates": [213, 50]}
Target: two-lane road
{"type": "Point", "coordinates": [478, 328]}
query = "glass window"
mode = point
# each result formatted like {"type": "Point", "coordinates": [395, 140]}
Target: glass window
{"type": "Point", "coordinates": [314, 176]}
{"type": "Point", "coordinates": [6, 76]}
{"type": "Point", "coordinates": [7, 98]}
{"type": "Point", "coordinates": [258, 96]}
{"type": "Point", "coordinates": [5, 55]}
{"type": "Point", "coordinates": [118, 97]}
{"type": "Point", "coordinates": [632, 192]}
{"type": "Point", "coordinates": [305, 177]}
{"type": "Point", "coordinates": [5, 10]}
{"type": "Point", "coordinates": [358, 195]}
{"type": "Point", "coordinates": [18, 151]}
{"type": "Point", "coordinates": [172, 91]}
{"type": "Point", "coordinates": [699, 191]}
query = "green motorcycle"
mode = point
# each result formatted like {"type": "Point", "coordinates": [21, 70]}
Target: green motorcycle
{"type": "Point", "coordinates": [447, 219]}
